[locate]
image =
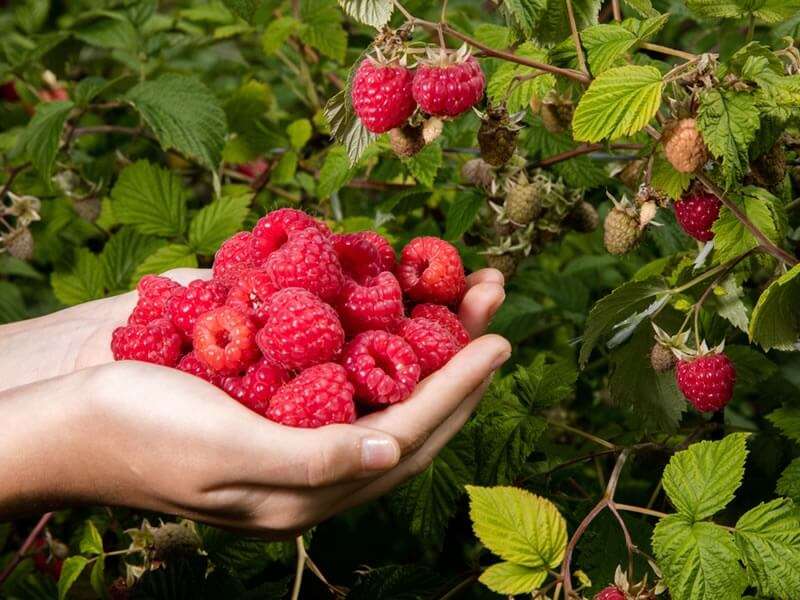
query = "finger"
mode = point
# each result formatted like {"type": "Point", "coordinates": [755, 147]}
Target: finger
{"type": "Point", "coordinates": [184, 276]}
{"type": "Point", "coordinates": [479, 306]}
{"type": "Point", "coordinates": [436, 398]}
{"type": "Point", "coordinates": [485, 276]}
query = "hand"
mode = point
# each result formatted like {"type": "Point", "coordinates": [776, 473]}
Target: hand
{"type": "Point", "coordinates": [140, 435]}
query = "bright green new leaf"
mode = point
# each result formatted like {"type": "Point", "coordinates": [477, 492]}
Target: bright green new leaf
{"type": "Point", "coordinates": [335, 172]}
{"type": "Point", "coordinates": [511, 579]}
{"type": "Point", "coordinates": [667, 179]}
{"type": "Point", "coordinates": [216, 222]}
{"type": "Point", "coordinates": [91, 542]}
{"type": "Point", "coordinates": [775, 322]}
{"type": "Point", "coordinates": [40, 139]}
{"type": "Point", "coordinates": [97, 577]}
{"type": "Point", "coordinates": [518, 526]}
{"type": "Point", "coordinates": [370, 12]}
{"type": "Point", "coordinates": [284, 170]}
{"type": "Point", "coordinates": [525, 14]}
{"type": "Point", "coordinates": [507, 78]}
{"type": "Point", "coordinates": [619, 102]}
{"type": "Point", "coordinates": [643, 7]}
{"type": "Point", "coordinates": [299, 133]}
{"type": "Point", "coordinates": [70, 571]}
{"type": "Point", "coordinates": [770, 11]}
{"type": "Point", "coordinates": [425, 164]}
{"type": "Point", "coordinates": [277, 32]}
{"type": "Point", "coordinates": [606, 45]}
{"type": "Point", "coordinates": [768, 537]}
{"type": "Point", "coordinates": [174, 256]}
{"type": "Point", "coordinates": [322, 28]}
{"type": "Point", "coordinates": [702, 479]}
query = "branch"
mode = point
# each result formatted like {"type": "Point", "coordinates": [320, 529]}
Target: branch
{"type": "Point", "coordinates": [12, 175]}
{"type": "Point", "coordinates": [584, 149]}
{"type": "Point", "coordinates": [668, 51]}
{"type": "Point", "coordinates": [576, 39]}
{"type": "Point", "coordinates": [301, 565]}
{"type": "Point", "coordinates": [45, 518]}
{"type": "Point", "coordinates": [615, 9]}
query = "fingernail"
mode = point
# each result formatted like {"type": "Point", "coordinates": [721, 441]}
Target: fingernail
{"type": "Point", "coordinates": [498, 362]}
{"type": "Point", "coordinates": [378, 454]}
{"type": "Point", "coordinates": [496, 306]}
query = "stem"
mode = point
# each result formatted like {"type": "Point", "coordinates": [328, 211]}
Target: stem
{"type": "Point", "coordinates": [629, 545]}
{"type": "Point", "coordinates": [668, 51]}
{"type": "Point", "coordinates": [12, 175]}
{"type": "Point", "coordinates": [42, 523]}
{"type": "Point", "coordinates": [451, 593]}
{"type": "Point", "coordinates": [751, 27]}
{"type": "Point", "coordinates": [565, 568]}
{"type": "Point", "coordinates": [584, 434]}
{"type": "Point", "coordinates": [641, 510]}
{"type": "Point", "coordinates": [576, 38]}
{"type": "Point", "coordinates": [616, 10]}
{"type": "Point", "coordinates": [584, 149]}
{"type": "Point", "coordinates": [301, 564]}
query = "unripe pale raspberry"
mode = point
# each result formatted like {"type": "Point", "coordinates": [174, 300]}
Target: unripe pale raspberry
{"type": "Point", "coordinates": [583, 218]}
{"type": "Point", "coordinates": [662, 359]}
{"type": "Point", "coordinates": [381, 95]}
{"type": "Point", "coordinates": [157, 342]}
{"type": "Point", "coordinates": [707, 381]}
{"type": "Point", "coordinates": [448, 89]}
{"type": "Point", "coordinates": [320, 395]}
{"type": "Point", "coordinates": [382, 368]}
{"type": "Point", "coordinates": [505, 263]}
{"type": "Point", "coordinates": [186, 304]}
{"type": "Point", "coordinates": [431, 270]}
{"type": "Point", "coordinates": [433, 344]}
{"type": "Point", "coordinates": [19, 243]}
{"type": "Point", "coordinates": [621, 232]}
{"type": "Point", "coordinates": [523, 203]}
{"type": "Point", "coordinates": [233, 258]}
{"type": "Point", "coordinates": [375, 304]}
{"type": "Point", "coordinates": [478, 172]}
{"type": "Point", "coordinates": [696, 214]}
{"type": "Point", "coordinates": [684, 146]}
{"type": "Point", "coordinates": [224, 339]}
{"type": "Point", "coordinates": [407, 140]}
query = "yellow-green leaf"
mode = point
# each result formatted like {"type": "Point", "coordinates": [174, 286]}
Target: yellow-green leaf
{"type": "Point", "coordinates": [509, 578]}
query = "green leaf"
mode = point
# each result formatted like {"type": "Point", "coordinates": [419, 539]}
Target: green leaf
{"type": "Point", "coordinates": [12, 306]}
{"type": "Point", "coordinates": [787, 419]}
{"type": "Point", "coordinates": [775, 322]}
{"type": "Point", "coordinates": [322, 28]}
{"type": "Point", "coordinates": [508, 75]}
{"type": "Point", "coordinates": [335, 172]}
{"type": "Point", "coordinates": [173, 256]}
{"type": "Point", "coordinates": [396, 582]}
{"type": "Point", "coordinates": [731, 237]}
{"type": "Point", "coordinates": [277, 33]}
{"type": "Point", "coordinates": [606, 45]}
{"type": "Point", "coordinates": [425, 164]}
{"type": "Point", "coordinates": [494, 36]}
{"type": "Point", "coordinates": [702, 479]}
{"type": "Point", "coordinates": [299, 133]}
{"type": "Point", "coordinates": [620, 304]}
{"type": "Point", "coordinates": [41, 137]}
{"type": "Point", "coordinates": [85, 282]}
{"type": "Point", "coordinates": [667, 179]}
{"type": "Point", "coordinates": [369, 12]}
{"type": "Point", "coordinates": [151, 199]}
{"type": "Point", "coordinates": [122, 254]}
{"type": "Point", "coordinates": [244, 556]}
{"type": "Point", "coordinates": [284, 170]}
{"type": "Point", "coordinates": [728, 121]}
{"type": "Point", "coordinates": [553, 24]}
{"type": "Point", "coordinates": [97, 578]}
{"type": "Point", "coordinates": [462, 214]}
{"type": "Point", "coordinates": [789, 482]}
{"type": "Point", "coordinates": [107, 29]}
{"type": "Point", "coordinates": [88, 88]}
{"type": "Point", "coordinates": [525, 14]}
{"type": "Point", "coordinates": [580, 171]}
{"type": "Point", "coordinates": [510, 579]}
{"type": "Point", "coordinates": [217, 221]}
{"type": "Point", "coordinates": [768, 537]}
{"type": "Point", "coordinates": [518, 526]}
{"type": "Point", "coordinates": [771, 11]}
{"type": "Point", "coordinates": [91, 542]}
{"type": "Point", "coordinates": [70, 571]}
{"type": "Point", "coordinates": [184, 115]}
{"type": "Point", "coordinates": [243, 8]}
{"type": "Point", "coordinates": [699, 561]}
{"type": "Point", "coordinates": [619, 102]}
{"type": "Point", "coordinates": [643, 7]}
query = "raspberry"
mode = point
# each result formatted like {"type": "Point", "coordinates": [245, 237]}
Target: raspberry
{"type": "Point", "coordinates": [192, 365]}
{"type": "Point", "coordinates": [448, 87]}
{"type": "Point", "coordinates": [224, 339]}
{"type": "Point", "coordinates": [612, 592]}
{"type": "Point", "coordinates": [557, 114]}
{"type": "Point", "coordinates": [684, 146]}
{"type": "Point", "coordinates": [696, 214]}
{"type": "Point", "coordinates": [497, 136]}
{"type": "Point", "coordinates": [251, 293]}
{"type": "Point", "coordinates": [158, 342]}
{"type": "Point", "coordinates": [407, 140]}
{"type": "Point", "coordinates": [232, 258]}
{"type": "Point", "coordinates": [583, 218]}
{"type": "Point", "coordinates": [8, 92]}
{"type": "Point", "coordinates": [707, 381]}
{"type": "Point", "coordinates": [662, 358]}
{"type": "Point", "coordinates": [255, 168]}
{"type": "Point", "coordinates": [257, 385]}
{"type": "Point", "coordinates": [430, 270]}
{"type": "Point", "coordinates": [382, 367]}
{"type": "Point", "coordinates": [357, 255]}
{"type": "Point", "coordinates": [272, 231]}
{"type": "Point", "coordinates": [523, 203]}
{"type": "Point", "coordinates": [769, 169]}
{"type": "Point", "coordinates": [478, 172]}
{"type": "Point", "coordinates": [319, 396]}
{"type": "Point", "coordinates": [431, 342]}
{"type": "Point", "coordinates": [386, 257]}
{"type": "Point", "coordinates": [174, 541]}
{"type": "Point", "coordinates": [381, 95]}
{"type": "Point", "coordinates": [505, 263]}
{"type": "Point", "coordinates": [621, 232]}
{"type": "Point", "coordinates": [444, 317]}
{"type": "Point", "coordinates": [307, 260]}
{"type": "Point", "coordinates": [375, 304]}
{"type": "Point", "coordinates": [154, 292]}
{"type": "Point", "coordinates": [185, 305]}
{"type": "Point", "coordinates": [19, 243]}
{"type": "Point", "coordinates": [300, 330]}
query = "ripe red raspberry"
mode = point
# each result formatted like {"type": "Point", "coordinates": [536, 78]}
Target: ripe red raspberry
{"type": "Point", "coordinates": [381, 95]}
{"type": "Point", "coordinates": [154, 292]}
{"type": "Point", "coordinates": [272, 231]}
{"type": "Point", "coordinates": [430, 270]}
{"type": "Point", "coordinates": [696, 213]}
{"type": "Point", "coordinates": [192, 365]}
{"type": "Point", "coordinates": [612, 592]}
{"type": "Point", "coordinates": [357, 255]}
{"type": "Point", "coordinates": [307, 260]}
{"type": "Point", "coordinates": [707, 381]}
{"type": "Point", "coordinates": [300, 330]}
{"type": "Point", "coordinates": [257, 385]}
{"type": "Point", "coordinates": [382, 367]}
{"type": "Point", "coordinates": [445, 317]}
{"type": "Point", "coordinates": [450, 88]}
{"type": "Point", "coordinates": [232, 258]}
{"type": "Point", "coordinates": [318, 396]}
{"type": "Point", "coordinates": [431, 342]}
{"type": "Point", "coordinates": [375, 304]}
{"type": "Point", "coordinates": [224, 339]}
{"type": "Point", "coordinates": [8, 92]}
{"type": "Point", "coordinates": [251, 293]}
{"type": "Point", "coordinates": [255, 168]}
{"type": "Point", "coordinates": [187, 304]}
{"type": "Point", "coordinates": [158, 342]}
{"type": "Point", "coordinates": [386, 257]}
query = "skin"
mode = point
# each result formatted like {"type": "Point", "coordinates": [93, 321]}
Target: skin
{"type": "Point", "coordinates": [88, 430]}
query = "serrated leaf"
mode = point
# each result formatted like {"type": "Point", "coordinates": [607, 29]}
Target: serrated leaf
{"type": "Point", "coordinates": [789, 482]}
{"type": "Point", "coordinates": [728, 303]}
{"type": "Point", "coordinates": [731, 237]}
{"type": "Point", "coordinates": [89, 88]}
{"type": "Point", "coordinates": [12, 306]}
{"type": "Point", "coordinates": [494, 36]}
{"type": "Point", "coordinates": [606, 45]}
{"type": "Point", "coordinates": [668, 180]}
{"type": "Point", "coordinates": [511, 579]}
{"type": "Point", "coordinates": [643, 7]}
{"type": "Point", "coordinates": [71, 569]}
{"type": "Point", "coordinates": [553, 24]}
{"type": "Point", "coordinates": [122, 254]}
{"type": "Point", "coordinates": [106, 29]}
{"type": "Point", "coordinates": [173, 256]}
{"type": "Point", "coordinates": [276, 34]}
{"type": "Point", "coordinates": [462, 214]}
{"type": "Point", "coordinates": [525, 14]}
{"type": "Point", "coordinates": [768, 537]}
{"type": "Point", "coordinates": [322, 28]}
{"type": "Point", "coordinates": [217, 221]}
{"type": "Point", "coordinates": [770, 11]}
{"type": "Point", "coordinates": [184, 115]}
{"type": "Point", "coordinates": [97, 578]}
{"type": "Point", "coordinates": [728, 121]}
{"type": "Point", "coordinates": [85, 282]}
{"type": "Point", "coordinates": [787, 419]}
{"type": "Point", "coordinates": [369, 12]}
{"type": "Point", "coordinates": [511, 76]}
{"type": "Point", "coordinates": [396, 582]}
{"type": "Point", "coordinates": [335, 172]}
{"type": "Point", "coordinates": [91, 542]}
{"type": "Point", "coordinates": [235, 553]}
{"type": "Point", "coordinates": [699, 561]}
{"type": "Point", "coordinates": [243, 8]}
{"type": "Point", "coordinates": [299, 133]}
{"type": "Point", "coordinates": [425, 164]}
{"type": "Point", "coordinates": [151, 199]}
{"type": "Point", "coordinates": [518, 526]}
{"type": "Point", "coordinates": [702, 479]}
{"type": "Point", "coordinates": [775, 322]}
{"type": "Point", "coordinates": [40, 139]}
{"type": "Point", "coordinates": [619, 102]}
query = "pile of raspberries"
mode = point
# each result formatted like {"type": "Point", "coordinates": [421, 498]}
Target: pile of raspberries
{"type": "Point", "coordinates": [303, 326]}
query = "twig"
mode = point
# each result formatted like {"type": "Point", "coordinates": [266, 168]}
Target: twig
{"type": "Point", "coordinates": [12, 175]}
{"type": "Point", "coordinates": [641, 510]}
{"type": "Point", "coordinates": [301, 565]}
{"type": "Point", "coordinates": [451, 593]}
{"type": "Point", "coordinates": [668, 51]}
{"type": "Point", "coordinates": [629, 545]}
{"type": "Point", "coordinates": [576, 39]}
{"type": "Point", "coordinates": [584, 149]}
{"type": "Point", "coordinates": [584, 434]}
{"type": "Point", "coordinates": [35, 532]}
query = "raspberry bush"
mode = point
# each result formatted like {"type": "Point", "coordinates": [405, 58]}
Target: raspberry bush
{"type": "Point", "coordinates": [631, 166]}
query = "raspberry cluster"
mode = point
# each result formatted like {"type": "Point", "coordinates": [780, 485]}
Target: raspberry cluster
{"type": "Point", "coordinates": [303, 326]}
